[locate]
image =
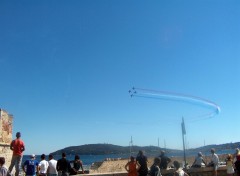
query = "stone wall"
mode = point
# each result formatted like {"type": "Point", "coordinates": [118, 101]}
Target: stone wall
{"type": "Point", "coordinates": [5, 135]}
{"type": "Point", "coordinates": [205, 171]}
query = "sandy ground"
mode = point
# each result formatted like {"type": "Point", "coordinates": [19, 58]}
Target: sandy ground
{"type": "Point", "coordinates": [118, 165]}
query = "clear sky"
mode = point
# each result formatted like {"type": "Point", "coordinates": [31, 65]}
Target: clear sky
{"type": "Point", "coordinates": [67, 66]}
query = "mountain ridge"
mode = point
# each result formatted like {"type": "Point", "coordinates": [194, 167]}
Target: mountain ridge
{"type": "Point", "coordinates": [104, 149]}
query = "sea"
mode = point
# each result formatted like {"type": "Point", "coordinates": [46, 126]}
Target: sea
{"type": "Point", "coordinates": [88, 160]}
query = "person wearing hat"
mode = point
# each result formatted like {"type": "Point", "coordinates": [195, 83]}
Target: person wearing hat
{"type": "Point", "coordinates": [17, 146]}
{"type": "Point", "coordinates": [164, 160]}
{"type": "Point", "coordinates": [199, 161]}
{"type": "Point", "coordinates": [30, 167]}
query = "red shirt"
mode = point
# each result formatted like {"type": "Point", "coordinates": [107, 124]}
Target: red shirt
{"type": "Point", "coordinates": [17, 146]}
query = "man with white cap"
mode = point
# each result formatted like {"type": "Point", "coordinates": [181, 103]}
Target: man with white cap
{"type": "Point", "coordinates": [30, 167]}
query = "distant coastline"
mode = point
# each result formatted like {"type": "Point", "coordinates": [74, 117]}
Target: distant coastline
{"type": "Point", "coordinates": [108, 149]}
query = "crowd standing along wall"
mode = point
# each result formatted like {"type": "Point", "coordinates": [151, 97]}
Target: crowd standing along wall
{"type": "Point", "coordinates": [5, 135]}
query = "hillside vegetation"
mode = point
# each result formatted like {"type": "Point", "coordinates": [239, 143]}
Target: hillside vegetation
{"type": "Point", "coordinates": [103, 149]}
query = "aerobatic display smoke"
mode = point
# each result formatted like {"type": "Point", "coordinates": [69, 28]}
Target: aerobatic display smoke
{"type": "Point", "coordinates": [172, 96]}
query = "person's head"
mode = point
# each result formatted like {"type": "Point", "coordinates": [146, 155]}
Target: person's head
{"type": "Point", "coordinates": [32, 156]}
{"type": "Point", "coordinates": [50, 156]}
{"type": "Point", "coordinates": [237, 150]}
{"type": "Point", "coordinates": [157, 161]}
{"type": "Point", "coordinates": [63, 155]}
{"type": "Point", "coordinates": [140, 152]}
{"type": "Point", "coordinates": [229, 157]}
{"type": "Point", "coordinates": [2, 161]}
{"type": "Point", "coordinates": [176, 164]}
{"type": "Point", "coordinates": [200, 154]}
{"type": "Point", "coordinates": [132, 158]}
{"type": "Point", "coordinates": [43, 157]}
{"type": "Point", "coordinates": [212, 150]}
{"type": "Point", "coordinates": [77, 157]}
{"type": "Point", "coordinates": [18, 134]}
{"type": "Point", "coordinates": [162, 153]}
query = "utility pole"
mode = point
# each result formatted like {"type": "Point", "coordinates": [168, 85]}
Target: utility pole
{"type": "Point", "coordinates": [184, 133]}
{"type": "Point", "coordinates": [130, 146]}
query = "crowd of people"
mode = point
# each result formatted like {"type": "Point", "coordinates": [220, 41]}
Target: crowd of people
{"type": "Point", "coordinates": [52, 167]}
{"type": "Point", "coordinates": [138, 166]}
{"type": "Point", "coordinates": [32, 167]}
{"type": "Point", "coordinates": [135, 167]}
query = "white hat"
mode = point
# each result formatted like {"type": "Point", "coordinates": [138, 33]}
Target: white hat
{"type": "Point", "coordinates": [32, 155]}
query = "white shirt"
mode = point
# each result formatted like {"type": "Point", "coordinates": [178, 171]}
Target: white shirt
{"type": "Point", "coordinates": [52, 166]}
{"type": "Point", "coordinates": [43, 165]}
{"type": "Point", "coordinates": [180, 172]}
{"type": "Point", "coordinates": [214, 159]}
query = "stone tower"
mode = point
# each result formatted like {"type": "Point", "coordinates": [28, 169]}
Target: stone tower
{"type": "Point", "coordinates": [5, 135]}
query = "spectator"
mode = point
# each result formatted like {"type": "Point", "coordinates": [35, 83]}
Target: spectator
{"type": "Point", "coordinates": [179, 171]}
{"type": "Point", "coordinates": [214, 161]}
{"type": "Point", "coordinates": [3, 168]}
{"type": "Point", "coordinates": [155, 169]}
{"type": "Point", "coordinates": [52, 166]}
{"type": "Point", "coordinates": [229, 164]}
{"type": "Point", "coordinates": [17, 146]}
{"type": "Point", "coordinates": [43, 166]}
{"type": "Point", "coordinates": [199, 161]}
{"type": "Point", "coordinates": [63, 166]}
{"type": "Point", "coordinates": [142, 160]}
{"type": "Point", "coordinates": [132, 167]}
{"type": "Point", "coordinates": [77, 164]}
{"type": "Point", "coordinates": [30, 167]}
{"type": "Point", "coordinates": [164, 160]}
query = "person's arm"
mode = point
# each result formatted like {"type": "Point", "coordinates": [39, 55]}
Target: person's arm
{"type": "Point", "coordinates": [48, 169]}
{"type": "Point", "coordinates": [4, 171]}
{"type": "Point", "coordinates": [138, 165]}
{"type": "Point", "coordinates": [126, 167]}
{"type": "Point", "coordinates": [194, 162]}
{"type": "Point", "coordinates": [23, 147]}
{"type": "Point", "coordinates": [204, 162]}
{"type": "Point", "coordinates": [11, 145]}
{"type": "Point", "coordinates": [38, 169]}
{"type": "Point", "coordinates": [23, 168]}
{"type": "Point", "coordinates": [69, 166]}
{"type": "Point", "coordinates": [81, 165]}
{"type": "Point", "coordinates": [39, 166]}
{"type": "Point", "coordinates": [158, 173]}
{"type": "Point", "coordinates": [185, 174]}
{"type": "Point", "coordinates": [57, 167]}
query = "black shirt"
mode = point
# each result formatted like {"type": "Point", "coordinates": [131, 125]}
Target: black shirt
{"type": "Point", "coordinates": [63, 165]}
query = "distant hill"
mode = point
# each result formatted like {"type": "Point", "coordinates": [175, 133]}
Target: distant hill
{"type": "Point", "coordinates": [103, 149]}
{"type": "Point", "coordinates": [227, 146]}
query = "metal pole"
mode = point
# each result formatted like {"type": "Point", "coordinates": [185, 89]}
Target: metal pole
{"type": "Point", "coordinates": [184, 150]}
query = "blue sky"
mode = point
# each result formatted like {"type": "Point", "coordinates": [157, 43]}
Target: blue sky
{"type": "Point", "coordinates": [67, 66]}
